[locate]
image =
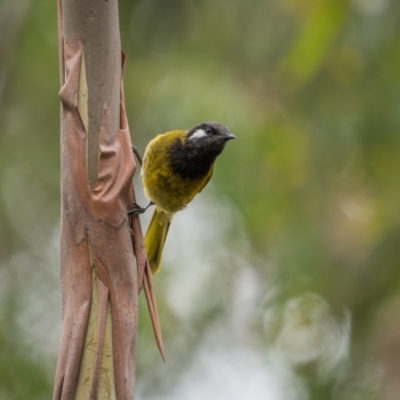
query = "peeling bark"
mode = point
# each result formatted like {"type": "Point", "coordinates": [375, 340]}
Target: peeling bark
{"type": "Point", "coordinates": [103, 258]}
{"type": "Point", "coordinates": [98, 268]}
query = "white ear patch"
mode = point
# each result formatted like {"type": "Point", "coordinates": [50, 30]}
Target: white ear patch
{"type": "Point", "coordinates": [198, 134]}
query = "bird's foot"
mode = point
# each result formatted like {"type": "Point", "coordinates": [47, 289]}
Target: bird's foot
{"type": "Point", "coordinates": [139, 210]}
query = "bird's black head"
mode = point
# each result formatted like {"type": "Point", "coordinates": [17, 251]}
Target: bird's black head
{"type": "Point", "coordinates": [194, 157]}
{"type": "Point", "coordinates": [211, 134]}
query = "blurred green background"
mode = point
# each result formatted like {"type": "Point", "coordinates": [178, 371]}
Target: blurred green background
{"type": "Point", "coordinates": [281, 281]}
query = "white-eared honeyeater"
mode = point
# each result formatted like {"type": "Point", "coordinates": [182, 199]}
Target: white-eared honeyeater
{"type": "Point", "coordinates": [176, 166]}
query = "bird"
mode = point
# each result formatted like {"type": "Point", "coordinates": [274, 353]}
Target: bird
{"type": "Point", "coordinates": [176, 166]}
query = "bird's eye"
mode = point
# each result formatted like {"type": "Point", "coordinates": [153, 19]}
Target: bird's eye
{"type": "Point", "coordinates": [208, 131]}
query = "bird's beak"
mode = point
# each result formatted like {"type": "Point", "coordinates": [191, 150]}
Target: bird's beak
{"type": "Point", "coordinates": [228, 136]}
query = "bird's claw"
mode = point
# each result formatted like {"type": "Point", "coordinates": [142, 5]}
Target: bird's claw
{"type": "Point", "coordinates": [139, 210]}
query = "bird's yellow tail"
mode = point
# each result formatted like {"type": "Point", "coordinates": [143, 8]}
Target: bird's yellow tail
{"type": "Point", "coordinates": [155, 238]}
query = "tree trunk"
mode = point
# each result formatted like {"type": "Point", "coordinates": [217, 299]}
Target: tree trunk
{"type": "Point", "coordinates": [98, 270]}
